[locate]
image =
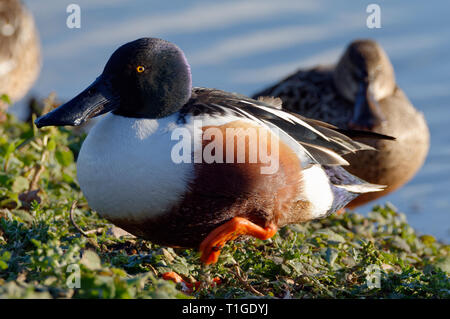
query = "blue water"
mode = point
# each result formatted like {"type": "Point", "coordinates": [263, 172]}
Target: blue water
{"type": "Point", "coordinates": [243, 45]}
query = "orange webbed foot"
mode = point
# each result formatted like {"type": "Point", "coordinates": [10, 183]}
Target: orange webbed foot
{"type": "Point", "coordinates": [187, 286]}
{"type": "Point", "coordinates": [212, 245]}
{"type": "Point", "coordinates": [176, 278]}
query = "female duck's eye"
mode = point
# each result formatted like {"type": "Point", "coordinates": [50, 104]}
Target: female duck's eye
{"type": "Point", "coordinates": [140, 69]}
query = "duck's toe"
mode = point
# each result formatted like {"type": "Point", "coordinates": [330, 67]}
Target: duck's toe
{"type": "Point", "coordinates": [212, 245]}
{"type": "Point", "coordinates": [187, 286]}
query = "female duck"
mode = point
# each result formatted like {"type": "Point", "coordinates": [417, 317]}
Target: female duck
{"type": "Point", "coordinates": [19, 51]}
{"type": "Point", "coordinates": [360, 92]}
{"type": "Point", "coordinates": [133, 172]}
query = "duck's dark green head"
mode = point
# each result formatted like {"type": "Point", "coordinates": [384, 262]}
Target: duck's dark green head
{"type": "Point", "coordinates": [146, 78]}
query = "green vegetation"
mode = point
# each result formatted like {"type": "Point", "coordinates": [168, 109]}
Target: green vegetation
{"type": "Point", "coordinates": [41, 250]}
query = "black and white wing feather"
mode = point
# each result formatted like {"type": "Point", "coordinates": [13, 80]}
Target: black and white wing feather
{"type": "Point", "coordinates": [323, 142]}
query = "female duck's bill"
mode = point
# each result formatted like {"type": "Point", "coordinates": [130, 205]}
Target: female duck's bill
{"type": "Point", "coordinates": [126, 173]}
{"type": "Point", "coordinates": [364, 75]}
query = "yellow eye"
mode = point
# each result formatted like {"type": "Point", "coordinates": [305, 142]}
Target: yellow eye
{"type": "Point", "coordinates": [140, 69]}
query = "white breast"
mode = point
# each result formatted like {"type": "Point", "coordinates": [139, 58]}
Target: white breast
{"type": "Point", "coordinates": [125, 168]}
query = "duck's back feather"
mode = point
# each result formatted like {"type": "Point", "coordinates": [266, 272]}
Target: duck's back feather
{"type": "Point", "coordinates": [312, 93]}
{"type": "Point", "coordinates": [323, 142]}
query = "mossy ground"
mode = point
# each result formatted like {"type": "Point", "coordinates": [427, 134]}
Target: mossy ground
{"type": "Point", "coordinates": [42, 252]}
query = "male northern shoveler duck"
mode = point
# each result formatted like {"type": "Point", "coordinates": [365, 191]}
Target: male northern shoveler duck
{"type": "Point", "coordinates": [20, 57]}
{"type": "Point", "coordinates": [130, 171]}
{"type": "Point", "coordinates": [360, 92]}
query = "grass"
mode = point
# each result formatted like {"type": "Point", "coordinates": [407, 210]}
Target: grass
{"type": "Point", "coordinates": [43, 255]}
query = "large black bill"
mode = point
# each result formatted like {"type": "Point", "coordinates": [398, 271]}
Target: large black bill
{"type": "Point", "coordinates": [367, 111]}
{"type": "Point", "coordinates": [97, 99]}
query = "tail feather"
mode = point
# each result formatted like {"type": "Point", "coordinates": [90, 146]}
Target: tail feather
{"type": "Point", "coordinates": [347, 187]}
{"type": "Point", "coordinates": [347, 144]}
{"type": "Point", "coordinates": [342, 141]}
{"type": "Point", "coordinates": [339, 177]}
{"type": "Point", "coordinates": [362, 188]}
{"type": "Point", "coordinates": [357, 134]}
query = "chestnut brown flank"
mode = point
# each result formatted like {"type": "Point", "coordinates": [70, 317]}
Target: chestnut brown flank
{"type": "Point", "coordinates": [221, 191]}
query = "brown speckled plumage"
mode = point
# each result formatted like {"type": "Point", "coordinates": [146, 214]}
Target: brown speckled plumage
{"type": "Point", "coordinates": [327, 94]}
{"type": "Point", "coordinates": [20, 57]}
